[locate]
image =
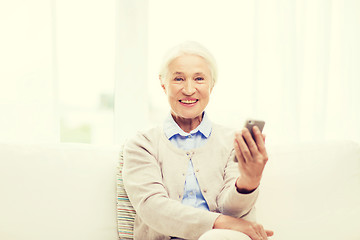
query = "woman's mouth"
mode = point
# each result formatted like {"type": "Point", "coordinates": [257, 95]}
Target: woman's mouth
{"type": "Point", "coordinates": [188, 102]}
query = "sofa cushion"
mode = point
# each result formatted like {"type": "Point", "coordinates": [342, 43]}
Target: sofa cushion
{"type": "Point", "coordinates": [312, 191]}
{"type": "Point", "coordinates": [58, 192]}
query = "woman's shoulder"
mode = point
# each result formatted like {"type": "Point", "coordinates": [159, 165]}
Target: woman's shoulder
{"type": "Point", "coordinates": [145, 138]}
{"type": "Point", "coordinates": [223, 131]}
{"type": "Point", "coordinates": [224, 134]}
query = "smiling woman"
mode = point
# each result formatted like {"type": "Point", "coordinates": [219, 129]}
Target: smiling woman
{"type": "Point", "coordinates": [193, 177]}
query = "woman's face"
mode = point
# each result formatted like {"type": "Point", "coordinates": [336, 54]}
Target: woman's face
{"type": "Point", "coordinates": [188, 86]}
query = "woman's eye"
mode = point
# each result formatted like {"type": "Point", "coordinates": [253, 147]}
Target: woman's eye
{"type": "Point", "coordinates": [178, 79]}
{"type": "Point", "coordinates": [199, 79]}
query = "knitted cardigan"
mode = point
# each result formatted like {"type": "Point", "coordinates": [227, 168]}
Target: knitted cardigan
{"type": "Point", "coordinates": [154, 176]}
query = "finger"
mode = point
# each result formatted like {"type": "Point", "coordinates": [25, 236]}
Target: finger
{"type": "Point", "coordinates": [238, 154]}
{"type": "Point", "coordinates": [240, 157]}
{"type": "Point", "coordinates": [256, 236]}
{"type": "Point", "coordinates": [260, 231]}
{"type": "Point", "coordinates": [263, 233]}
{"type": "Point", "coordinates": [269, 233]}
{"type": "Point", "coordinates": [250, 141]}
{"type": "Point", "coordinates": [259, 140]}
{"type": "Point", "coordinates": [244, 148]}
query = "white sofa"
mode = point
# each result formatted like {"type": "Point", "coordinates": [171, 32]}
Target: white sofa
{"type": "Point", "coordinates": [68, 192]}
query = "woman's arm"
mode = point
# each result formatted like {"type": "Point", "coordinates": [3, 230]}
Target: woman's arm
{"type": "Point", "coordinates": [254, 230]}
{"type": "Point", "coordinates": [148, 195]}
{"type": "Point", "coordinates": [232, 202]}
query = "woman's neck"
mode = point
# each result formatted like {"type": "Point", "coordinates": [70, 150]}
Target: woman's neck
{"type": "Point", "coordinates": [187, 124]}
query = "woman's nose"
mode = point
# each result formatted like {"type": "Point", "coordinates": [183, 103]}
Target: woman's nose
{"type": "Point", "coordinates": [189, 87]}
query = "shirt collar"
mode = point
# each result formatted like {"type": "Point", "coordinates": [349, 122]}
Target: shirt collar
{"type": "Point", "coordinates": [171, 128]}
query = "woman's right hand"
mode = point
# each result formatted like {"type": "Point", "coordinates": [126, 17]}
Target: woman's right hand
{"type": "Point", "coordinates": [254, 230]}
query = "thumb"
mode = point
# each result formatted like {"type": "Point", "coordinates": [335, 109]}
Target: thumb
{"type": "Point", "coordinates": [269, 233]}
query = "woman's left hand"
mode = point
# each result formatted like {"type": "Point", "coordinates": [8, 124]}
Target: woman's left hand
{"type": "Point", "coordinates": [252, 158]}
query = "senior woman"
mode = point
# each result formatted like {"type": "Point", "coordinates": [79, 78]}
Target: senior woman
{"type": "Point", "coordinates": [182, 178]}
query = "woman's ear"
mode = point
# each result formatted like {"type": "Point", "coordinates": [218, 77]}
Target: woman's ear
{"type": "Point", "coordinates": [211, 87]}
{"type": "Point", "coordinates": [162, 84]}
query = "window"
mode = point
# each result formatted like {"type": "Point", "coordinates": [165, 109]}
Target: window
{"type": "Point", "coordinates": [85, 58]}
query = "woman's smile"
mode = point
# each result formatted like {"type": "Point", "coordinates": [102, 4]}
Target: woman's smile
{"type": "Point", "coordinates": [188, 102]}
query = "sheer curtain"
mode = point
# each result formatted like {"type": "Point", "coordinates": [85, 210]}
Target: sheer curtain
{"type": "Point", "coordinates": [307, 69]}
{"type": "Point", "coordinates": [294, 64]}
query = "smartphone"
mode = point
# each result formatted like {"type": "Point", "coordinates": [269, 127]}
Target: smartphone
{"type": "Point", "coordinates": [250, 123]}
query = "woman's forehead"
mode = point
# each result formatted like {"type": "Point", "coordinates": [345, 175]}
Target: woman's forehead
{"type": "Point", "coordinates": [189, 63]}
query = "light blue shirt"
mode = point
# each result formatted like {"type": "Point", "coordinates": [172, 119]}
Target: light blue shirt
{"type": "Point", "coordinates": [186, 141]}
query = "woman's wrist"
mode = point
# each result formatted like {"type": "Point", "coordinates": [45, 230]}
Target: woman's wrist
{"type": "Point", "coordinates": [246, 187]}
{"type": "Point", "coordinates": [222, 222]}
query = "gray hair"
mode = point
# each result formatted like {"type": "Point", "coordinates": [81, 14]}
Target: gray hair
{"type": "Point", "coordinates": [192, 48]}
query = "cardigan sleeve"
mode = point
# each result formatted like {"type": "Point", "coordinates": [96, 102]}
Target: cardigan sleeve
{"type": "Point", "coordinates": [230, 201]}
{"type": "Point", "coordinates": [149, 197]}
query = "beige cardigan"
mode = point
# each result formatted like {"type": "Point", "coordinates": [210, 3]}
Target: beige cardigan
{"type": "Point", "coordinates": [154, 177]}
